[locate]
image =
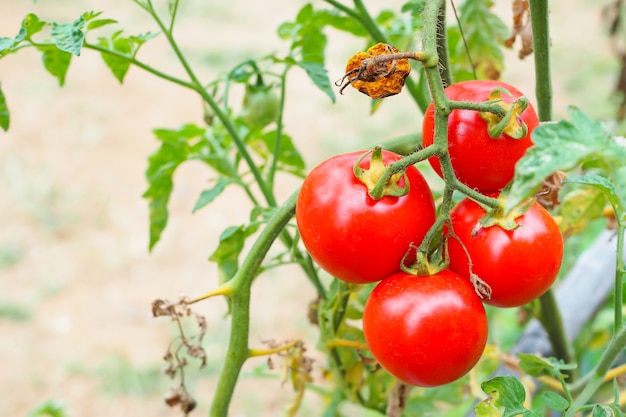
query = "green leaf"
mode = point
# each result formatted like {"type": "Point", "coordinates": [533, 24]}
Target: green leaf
{"type": "Point", "coordinates": [231, 244]}
{"type": "Point", "coordinates": [537, 366]}
{"type": "Point", "coordinates": [603, 184]}
{"type": "Point", "coordinates": [31, 25]}
{"type": "Point", "coordinates": [55, 61]}
{"type": "Point", "coordinates": [309, 42]}
{"type": "Point", "coordinates": [484, 33]}
{"type": "Point", "coordinates": [207, 196]}
{"type": "Point", "coordinates": [579, 208]}
{"type": "Point", "coordinates": [95, 24]}
{"type": "Point", "coordinates": [118, 66]}
{"type": "Point", "coordinates": [554, 401]}
{"type": "Point", "coordinates": [51, 408]}
{"type": "Point", "coordinates": [4, 112]}
{"type": "Point", "coordinates": [69, 37]}
{"type": "Point", "coordinates": [318, 74]}
{"type": "Point", "coordinates": [190, 142]}
{"type": "Point", "coordinates": [173, 151]}
{"type": "Point", "coordinates": [606, 410]}
{"type": "Point", "coordinates": [506, 398]}
{"type": "Point", "coordinates": [289, 159]}
{"type": "Point", "coordinates": [558, 146]}
{"type": "Point", "coordinates": [343, 23]}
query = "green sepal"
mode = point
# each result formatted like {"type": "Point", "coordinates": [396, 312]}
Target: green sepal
{"type": "Point", "coordinates": [372, 177]}
{"type": "Point", "coordinates": [510, 124]}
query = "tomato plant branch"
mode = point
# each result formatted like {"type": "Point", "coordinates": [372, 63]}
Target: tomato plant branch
{"type": "Point", "coordinates": [238, 350]}
{"type": "Point", "coordinates": [199, 88]}
{"type": "Point", "coordinates": [539, 18]}
{"type": "Point", "coordinates": [279, 129]}
{"type": "Point", "coordinates": [550, 314]}
{"type": "Point", "coordinates": [134, 61]}
{"type": "Point", "coordinates": [266, 352]}
{"type": "Point", "coordinates": [442, 46]}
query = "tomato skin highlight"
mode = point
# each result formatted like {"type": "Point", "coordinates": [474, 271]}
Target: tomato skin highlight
{"type": "Point", "coordinates": [352, 236]}
{"type": "Point", "coordinates": [479, 161]}
{"type": "Point", "coordinates": [519, 265]}
{"type": "Point", "coordinates": [426, 331]}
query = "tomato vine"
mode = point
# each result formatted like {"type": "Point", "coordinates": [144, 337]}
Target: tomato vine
{"type": "Point", "coordinates": [249, 152]}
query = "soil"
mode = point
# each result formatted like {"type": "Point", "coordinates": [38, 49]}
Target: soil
{"type": "Point", "coordinates": [76, 276]}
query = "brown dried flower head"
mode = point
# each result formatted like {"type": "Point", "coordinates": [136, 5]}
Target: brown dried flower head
{"type": "Point", "coordinates": [377, 72]}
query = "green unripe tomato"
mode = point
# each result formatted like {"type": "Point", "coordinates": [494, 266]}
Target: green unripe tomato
{"type": "Point", "coordinates": [260, 105]}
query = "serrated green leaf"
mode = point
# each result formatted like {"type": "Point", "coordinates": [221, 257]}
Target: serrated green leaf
{"type": "Point", "coordinates": [207, 196]}
{"type": "Point", "coordinates": [173, 151]}
{"type": "Point", "coordinates": [557, 146]}
{"type": "Point", "coordinates": [289, 159]}
{"type": "Point", "coordinates": [177, 146]}
{"type": "Point", "coordinates": [606, 410]}
{"type": "Point", "coordinates": [118, 66]}
{"type": "Point", "coordinates": [579, 208]}
{"type": "Point", "coordinates": [226, 255]}
{"type": "Point", "coordinates": [318, 74]}
{"type": "Point", "coordinates": [144, 37]}
{"type": "Point", "coordinates": [601, 183]}
{"type": "Point", "coordinates": [31, 25]}
{"type": "Point", "coordinates": [484, 34]}
{"type": "Point", "coordinates": [4, 111]}
{"type": "Point", "coordinates": [506, 398]}
{"type": "Point", "coordinates": [554, 401]}
{"type": "Point", "coordinates": [232, 241]}
{"type": "Point", "coordinates": [69, 37]}
{"type": "Point", "coordinates": [343, 23]}
{"type": "Point", "coordinates": [55, 61]}
{"type": "Point", "coordinates": [537, 366]}
{"type": "Point", "coordinates": [5, 45]}
{"type": "Point", "coordinates": [309, 42]}
{"type": "Point", "coordinates": [95, 24]}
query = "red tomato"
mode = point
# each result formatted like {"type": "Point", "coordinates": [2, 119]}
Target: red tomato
{"type": "Point", "coordinates": [426, 331]}
{"type": "Point", "coordinates": [519, 265]}
{"type": "Point", "coordinates": [352, 236]}
{"type": "Point", "coordinates": [478, 160]}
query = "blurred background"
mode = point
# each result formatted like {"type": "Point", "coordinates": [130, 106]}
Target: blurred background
{"type": "Point", "coordinates": [76, 276]}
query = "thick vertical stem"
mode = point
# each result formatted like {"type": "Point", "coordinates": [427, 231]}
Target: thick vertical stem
{"type": "Point", "coordinates": [550, 314]}
{"type": "Point", "coordinates": [238, 349]}
{"type": "Point", "coordinates": [541, 45]}
{"type": "Point", "coordinates": [442, 47]}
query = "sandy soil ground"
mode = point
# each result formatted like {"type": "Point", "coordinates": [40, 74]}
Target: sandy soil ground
{"type": "Point", "coordinates": [76, 279]}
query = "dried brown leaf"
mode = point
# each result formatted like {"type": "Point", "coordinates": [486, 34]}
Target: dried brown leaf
{"type": "Point", "coordinates": [521, 28]}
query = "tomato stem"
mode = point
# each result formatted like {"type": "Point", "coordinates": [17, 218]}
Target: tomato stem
{"type": "Point", "coordinates": [238, 350]}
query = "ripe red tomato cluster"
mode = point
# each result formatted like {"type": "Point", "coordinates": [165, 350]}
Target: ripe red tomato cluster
{"type": "Point", "coordinates": [431, 330]}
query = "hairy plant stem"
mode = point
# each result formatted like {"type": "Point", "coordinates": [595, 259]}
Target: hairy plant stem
{"type": "Point", "coordinates": [442, 47]}
{"type": "Point", "coordinates": [238, 349]}
{"type": "Point", "coordinates": [550, 316]}
{"type": "Point", "coordinates": [541, 45]}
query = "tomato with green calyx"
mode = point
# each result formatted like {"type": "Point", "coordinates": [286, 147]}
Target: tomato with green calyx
{"type": "Point", "coordinates": [260, 105]}
{"type": "Point", "coordinates": [479, 160]}
{"type": "Point", "coordinates": [514, 266]}
{"type": "Point", "coordinates": [425, 330]}
{"type": "Point", "coordinates": [351, 235]}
